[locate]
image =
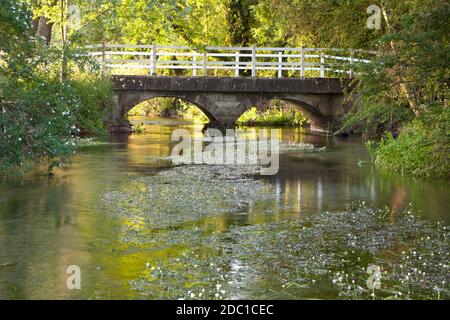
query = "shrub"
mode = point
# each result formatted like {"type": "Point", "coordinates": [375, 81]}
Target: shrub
{"type": "Point", "coordinates": [41, 119]}
{"type": "Point", "coordinates": [95, 100]}
{"type": "Point", "coordinates": [40, 116]}
{"type": "Point", "coordinates": [37, 121]}
{"type": "Point", "coordinates": [372, 118]}
{"type": "Point", "coordinates": [422, 148]}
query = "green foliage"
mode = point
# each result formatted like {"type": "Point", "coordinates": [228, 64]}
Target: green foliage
{"type": "Point", "coordinates": [169, 107]}
{"type": "Point", "coordinates": [422, 148]}
{"type": "Point", "coordinates": [375, 118]}
{"type": "Point", "coordinates": [154, 108]}
{"type": "Point", "coordinates": [41, 116]}
{"type": "Point", "coordinates": [190, 22]}
{"type": "Point", "coordinates": [412, 66]}
{"type": "Point", "coordinates": [321, 23]}
{"type": "Point", "coordinates": [404, 91]}
{"type": "Point", "coordinates": [37, 122]}
{"type": "Point", "coordinates": [41, 119]}
{"type": "Point", "coordinates": [274, 116]}
{"type": "Point", "coordinates": [191, 112]}
{"type": "Point", "coordinates": [240, 19]}
{"type": "Point", "coordinates": [139, 129]}
{"type": "Point", "coordinates": [15, 20]}
{"type": "Point", "coordinates": [95, 100]}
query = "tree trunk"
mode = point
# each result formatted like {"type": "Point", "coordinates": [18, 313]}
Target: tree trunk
{"type": "Point", "coordinates": [44, 29]}
{"type": "Point", "coordinates": [406, 89]}
{"type": "Point", "coordinates": [41, 25]}
{"type": "Point", "coordinates": [35, 24]}
{"type": "Point", "coordinates": [64, 6]}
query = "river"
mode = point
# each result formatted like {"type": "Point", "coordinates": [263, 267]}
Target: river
{"type": "Point", "coordinates": [139, 228]}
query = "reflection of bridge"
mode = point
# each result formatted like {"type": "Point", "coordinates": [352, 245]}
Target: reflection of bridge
{"type": "Point", "coordinates": [232, 79]}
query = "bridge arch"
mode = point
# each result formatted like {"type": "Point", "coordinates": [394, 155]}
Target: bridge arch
{"type": "Point", "coordinates": [132, 100]}
{"type": "Point", "coordinates": [312, 112]}
{"type": "Point", "coordinates": [224, 100]}
{"type": "Point", "coordinates": [307, 106]}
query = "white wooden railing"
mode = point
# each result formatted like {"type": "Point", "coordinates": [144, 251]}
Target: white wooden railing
{"type": "Point", "coordinates": [228, 61]}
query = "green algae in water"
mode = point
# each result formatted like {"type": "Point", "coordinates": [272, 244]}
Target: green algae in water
{"type": "Point", "coordinates": [166, 216]}
{"type": "Point", "coordinates": [186, 193]}
{"type": "Point", "coordinates": [245, 152]}
{"type": "Point", "coordinates": [89, 142]}
{"type": "Point", "coordinates": [325, 256]}
{"type": "Point", "coordinates": [300, 147]}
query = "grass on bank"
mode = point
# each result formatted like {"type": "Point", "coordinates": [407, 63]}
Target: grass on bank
{"type": "Point", "coordinates": [422, 148]}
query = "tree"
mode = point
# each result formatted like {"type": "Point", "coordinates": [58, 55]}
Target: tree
{"type": "Point", "coordinates": [42, 25]}
{"type": "Point", "coordinates": [40, 116]}
{"type": "Point", "coordinates": [418, 44]}
{"type": "Point", "coordinates": [320, 23]}
{"type": "Point", "coordinates": [411, 69]}
{"type": "Point", "coordinates": [240, 20]}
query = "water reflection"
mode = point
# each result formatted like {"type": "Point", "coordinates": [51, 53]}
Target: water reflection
{"type": "Point", "coordinates": [48, 224]}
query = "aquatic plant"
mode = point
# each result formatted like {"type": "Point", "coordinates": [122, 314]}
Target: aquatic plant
{"type": "Point", "coordinates": [325, 256]}
{"type": "Point", "coordinates": [322, 256]}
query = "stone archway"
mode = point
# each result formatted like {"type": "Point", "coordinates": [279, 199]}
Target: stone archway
{"type": "Point", "coordinates": [224, 100]}
{"type": "Point", "coordinates": [142, 98]}
{"type": "Point", "coordinates": [125, 101]}
{"type": "Point", "coordinates": [222, 110]}
{"type": "Point", "coordinates": [318, 120]}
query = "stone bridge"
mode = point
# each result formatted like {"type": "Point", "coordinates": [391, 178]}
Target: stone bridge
{"type": "Point", "coordinates": [224, 99]}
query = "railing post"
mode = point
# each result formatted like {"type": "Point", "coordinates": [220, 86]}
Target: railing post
{"type": "Point", "coordinates": [322, 65]}
{"type": "Point", "coordinates": [236, 66]}
{"type": "Point", "coordinates": [302, 67]}
{"type": "Point", "coordinates": [103, 59]}
{"type": "Point", "coordinates": [153, 61]}
{"type": "Point", "coordinates": [205, 57]}
{"type": "Point", "coordinates": [280, 64]}
{"type": "Point", "coordinates": [253, 61]}
{"type": "Point", "coordinates": [194, 71]}
{"type": "Point", "coordinates": [352, 60]}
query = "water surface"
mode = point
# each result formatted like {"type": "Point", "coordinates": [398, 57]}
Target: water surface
{"type": "Point", "coordinates": [141, 229]}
